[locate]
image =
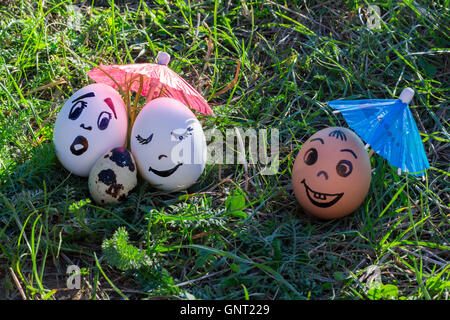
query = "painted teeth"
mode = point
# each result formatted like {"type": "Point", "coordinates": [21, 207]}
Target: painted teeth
{"type": "Point", "coordinates": [320, 196]}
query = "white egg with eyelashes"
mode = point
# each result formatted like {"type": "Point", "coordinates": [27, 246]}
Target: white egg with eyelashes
{"type": "Point", "coordinates": [91, 122]}
{"type": "Point", "coordinates": [168, 144]}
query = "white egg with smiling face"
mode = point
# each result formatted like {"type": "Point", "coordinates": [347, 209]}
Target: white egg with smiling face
{"type": "Point", "coordinates": [168, 144]}
{"type": "Point", "coordinates": [92, 122]}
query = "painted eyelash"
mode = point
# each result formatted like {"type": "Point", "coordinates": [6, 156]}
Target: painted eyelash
{"type": "Point", "coordinates": [143, 140]}
{"type": "Point", "coordinates": [82, 102]}
{"type": "Point", "coordinates": [77, 109]}
{"type": "Point", "coordinates": [188, 132]}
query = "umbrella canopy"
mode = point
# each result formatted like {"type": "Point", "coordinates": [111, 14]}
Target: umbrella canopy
{"type": "Point", "coordinates": [151, 80]}
{"type": "Point", "coordinates": [388, 126]}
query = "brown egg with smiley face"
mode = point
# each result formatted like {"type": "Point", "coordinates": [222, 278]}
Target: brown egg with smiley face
{"type": "Point", "coordinates": [331, 173]}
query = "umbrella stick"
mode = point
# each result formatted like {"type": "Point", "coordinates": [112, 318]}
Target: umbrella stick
{"type": "Point", "coordinates": [128, 103]}
{"type": "Point", "coordinates": [371, 152]}
{"type": "Point", "coordinates": [162, 91]}
{"type": "Point", "coordinates": [150, 92]}
{"type": "Point", "coordinates": [136, 99]}
{"type": "Point", "coordinates": [186, 100]}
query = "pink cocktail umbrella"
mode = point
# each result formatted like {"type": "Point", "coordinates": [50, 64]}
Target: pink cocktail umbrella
{"type": "Point", "coordinates": [150, 80]}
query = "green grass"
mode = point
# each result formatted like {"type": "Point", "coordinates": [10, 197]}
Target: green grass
{"type": "Point", "coordinates": [222, 239]}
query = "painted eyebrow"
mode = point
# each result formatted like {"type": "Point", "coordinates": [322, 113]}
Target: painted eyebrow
{"type": "Point", "coordinates": [110, 104]}
{"type": "Point", "coordinates": [348, 150]}
{"type": "Point", "coordinates": [320, 139]}
{"type": "Point", "coordinates": [87, 95]}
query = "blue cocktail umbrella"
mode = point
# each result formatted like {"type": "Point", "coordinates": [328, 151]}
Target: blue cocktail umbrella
{"type": "Point", "coordinates": [388, 126]}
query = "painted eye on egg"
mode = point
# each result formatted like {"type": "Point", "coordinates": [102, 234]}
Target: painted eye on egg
{"type": "Point", "coordinates": [310, 156]}
{"type": "Point", "coordinates": [103, 120]}
{"type": "Point", "coordinates": [344, 168]}
{"type": "Point", "coordinates": [184, 135]}
{"type": "Point", "coordinates": [77, 109]}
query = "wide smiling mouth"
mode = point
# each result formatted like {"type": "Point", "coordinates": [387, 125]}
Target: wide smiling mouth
{"type": "Point", "coordinates": [322, 200]}
{"type": "Point", "coordinates": [79, 145]}
{"type": "Point", "coordinates": [165, 173]}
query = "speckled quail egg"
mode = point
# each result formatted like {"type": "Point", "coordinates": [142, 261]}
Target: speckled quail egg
{"type": "Point", "coordinates": [113, 176]}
